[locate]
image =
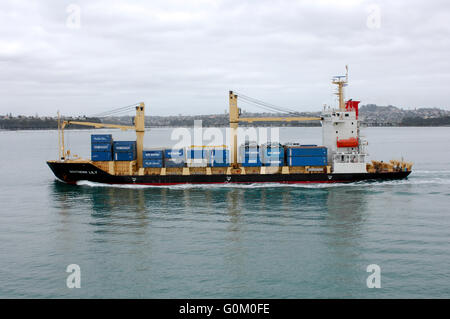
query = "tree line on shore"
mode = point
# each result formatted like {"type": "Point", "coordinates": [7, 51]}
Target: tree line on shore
{"type": "Point", "coordinates": [33, 123]}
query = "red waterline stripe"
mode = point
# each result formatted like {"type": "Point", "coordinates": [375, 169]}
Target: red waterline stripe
{"type": "Point", "coordinates": [224, 183]}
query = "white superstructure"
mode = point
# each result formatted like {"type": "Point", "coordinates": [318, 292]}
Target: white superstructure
{"type": "Point", "coordinates": [340, 133]}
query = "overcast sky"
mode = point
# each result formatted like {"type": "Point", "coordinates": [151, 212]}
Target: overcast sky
{"type": "Point", "coordinates": [184, 56]}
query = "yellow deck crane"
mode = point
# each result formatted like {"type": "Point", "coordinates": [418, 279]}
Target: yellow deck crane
{"type": "Point", "coordinates": [235, 119]}
{"type": "Point", "coordinates": [139, 127]}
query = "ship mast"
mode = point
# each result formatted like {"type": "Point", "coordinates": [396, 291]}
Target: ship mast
{"type": "Point", "coordinates": [341, 82]}
{"type": "Point", "coordinates": [139, 125]}
{"type": "Point", "coordinates": [60, 147]}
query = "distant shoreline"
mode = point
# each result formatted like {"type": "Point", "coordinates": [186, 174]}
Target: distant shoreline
{"type": "Point", "coordinates": [369, 116]}
{"type": "Point", "coordinates": [191, 126]}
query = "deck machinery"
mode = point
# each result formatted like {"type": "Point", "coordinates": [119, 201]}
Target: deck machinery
{"type": "Point", "coordinates": [346, 154]}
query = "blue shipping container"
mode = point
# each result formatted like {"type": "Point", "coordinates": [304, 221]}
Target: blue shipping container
{"type": "Point", "coordinates": [306, 151]}
{"type": "Point", "coordinates": [249, 151]}
{"type": "Point", "coordinates": [307, 161]}
{"type": "Point", "coordinates": [250, 159]}
{"type": "Point", "coordinates": [277, 152]}
{"type": "Point", "coordinates": [155, 162]}
{"type": "Point", "coordinates": [125, 156]}
{"type": "Point", "coordinates": [274, 162]}
{"type": "Point", "coordinates": [124, 146]}
{"type": "Point", "coordinates": [249, 155]}
{"type": "Point", "coordinates": [220, 156]}
{"type": "Point", "coordinates": [101, 147]}
{"type": "Point", "coordinates": [273, 156]}
{"type": "Point", "coordinates": [101, 156]}
{"type": "Point", "coordinates": [151, 154]}
{"type": "Point", "coordinates": [251, 164]}
{"type": "Point", "coordinates": [101, 138]}
{"type": "Point", "coordinates": [219, 152]}
{"type": "Point", "coordinates": [197, 153]}
{"type": "Point", "coordinates": [173, 163]}
{"type": "Point", "coordinates": [174, 153]}
{"type": "Point", "coordinates": [219, 164]}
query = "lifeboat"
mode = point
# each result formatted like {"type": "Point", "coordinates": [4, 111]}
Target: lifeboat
{"type": "Point", "coordinates": [349, 142]}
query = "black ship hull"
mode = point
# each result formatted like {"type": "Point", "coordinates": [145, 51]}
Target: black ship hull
{"type": "Point", "coordinates": [73, 172]}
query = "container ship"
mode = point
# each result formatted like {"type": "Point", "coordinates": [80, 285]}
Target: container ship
{"type": "Point", "coordinates": [342, 157]}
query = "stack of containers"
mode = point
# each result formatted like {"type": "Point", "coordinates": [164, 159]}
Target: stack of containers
{"type": "Point", "coordinates": [174, 157]}
{"type": "Point", "coordinates": [249, 155]}
{"type": "Point", "coordinates": [272, 154]}
{"type": "Point", "coordinates": [153, 158]}
{"type": "Point", "coordinates": [306, 155]}
{"type": "Point", "coordinates": [124, 150]}
{"type": "Point", "coordinates": [219, 157]}
{"type": "Point", "coordinates": [101, 147]}
{"type": "Point", "coordinates": [197, 157]}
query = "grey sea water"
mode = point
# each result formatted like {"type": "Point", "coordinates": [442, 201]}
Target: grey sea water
{"type": "Point", "coordinates": [271, 241]}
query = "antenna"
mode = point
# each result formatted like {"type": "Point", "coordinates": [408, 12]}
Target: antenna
{"type": "Point", "coordinates": [346, 73]}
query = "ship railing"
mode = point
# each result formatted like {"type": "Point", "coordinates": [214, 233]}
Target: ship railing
{"type": "Point", "coordinates": [349, 158]}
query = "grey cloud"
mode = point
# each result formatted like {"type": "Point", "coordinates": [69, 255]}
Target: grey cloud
{"type": "Point", "coordinates": [184, 56]}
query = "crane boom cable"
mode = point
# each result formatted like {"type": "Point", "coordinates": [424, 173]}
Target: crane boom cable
{"type": "Point", "coordinates": [267, 105]}
{"type": "Point", "coordinates": [105, 114]}
{"type": "Point", "coordinates": [117, 113]}
{"type": "Point", "coordinates": [262, 102]}
{"type": "Point", "coordinates": [270, 109]}
{"type": "Point", "coordinates": [116, 110]}
{"type": "Point", "coordinates": [263, 106]}
{"type": "Point", "coordinates": [258, 106]}
{"type": "Point", "coordinates": [258, 103]}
